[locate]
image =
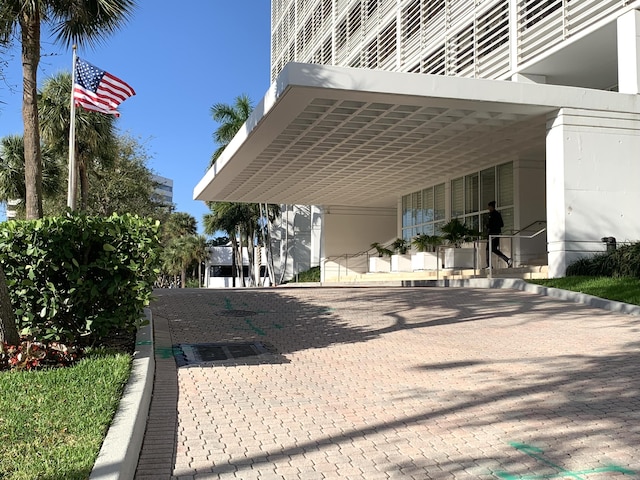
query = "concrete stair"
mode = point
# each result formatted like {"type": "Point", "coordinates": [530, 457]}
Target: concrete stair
{"type": "Point", "coordinates": [430, 276]}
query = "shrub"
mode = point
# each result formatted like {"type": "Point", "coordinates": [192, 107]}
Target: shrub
{"type": "Point", "coordinates": [623, 262]}
{"type": "Point", "coordinates": [76, 275]}
{"type": "Point", "coordinates": [311, 275]}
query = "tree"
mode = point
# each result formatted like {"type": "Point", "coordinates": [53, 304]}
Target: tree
{"type": "Point", "coordinates": [12, 170]}
{"type": "Point", "coordinates": [126, 185]}
{"type": "Point", "coordinates": [200, 254]}
{"type": "Point", "coordinates": [96, 143]}
{"type": "Point", "coordinates": [73, 22]}
{"type": "Point", "coordinates": [231, 118]}
{"type": "Point", "coordinates": [226, 217]}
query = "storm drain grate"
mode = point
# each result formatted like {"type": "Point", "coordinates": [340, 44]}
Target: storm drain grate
{"type": "Point", "coordinates": [212, 352]}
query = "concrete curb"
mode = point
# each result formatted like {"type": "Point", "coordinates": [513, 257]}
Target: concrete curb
{"type": "Point", "coordinates": [118, 457]}
{"type": "Point", "coordinates": [518, 284]}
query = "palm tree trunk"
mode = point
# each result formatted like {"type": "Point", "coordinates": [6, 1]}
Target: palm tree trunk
{"type": "Point", "coordinates": [183, 277]}
{"type": "Point", "coordinates": [84, 184]}
{"type": "Point", "coordinates": [30, 28]}
{"type": "Point", "coordinates": [8, 329]}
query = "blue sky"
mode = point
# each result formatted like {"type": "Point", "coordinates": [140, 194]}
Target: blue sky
{"type": "Point", "coordinates": [180, 61]}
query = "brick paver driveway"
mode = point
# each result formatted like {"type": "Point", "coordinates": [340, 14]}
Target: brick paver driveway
{"type": "Point", "coordinates": [377, 383]}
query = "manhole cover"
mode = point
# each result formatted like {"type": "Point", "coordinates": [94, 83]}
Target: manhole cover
{"type": "Point", "coordinates": [211, 352]}
{"type": "Point", "coordinates": [236, 313]}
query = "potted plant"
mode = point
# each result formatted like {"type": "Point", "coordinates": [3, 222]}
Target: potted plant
{"type": "Point", "coordinates": [456, 233]}
{"type": "Point", "coordinates": [426, 257]}
{"type": "Point", "coordinates": [381, 262]}
{"type": "Point", "coordinates": [400, 260]}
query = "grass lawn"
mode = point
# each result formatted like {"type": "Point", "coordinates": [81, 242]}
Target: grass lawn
{"type": "Point", "coordinates": [625, 290]}
{"type": "Point", "coordinates": [53, 422]}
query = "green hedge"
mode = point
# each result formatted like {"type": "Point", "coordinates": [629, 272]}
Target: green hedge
{"type": "Point", "coordinates": [79, 276]}
{"type": "Point", "coordinates": [623, 262]}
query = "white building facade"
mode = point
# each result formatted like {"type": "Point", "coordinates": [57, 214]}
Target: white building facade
{"type": "Point", "coordinates": [394, 116]}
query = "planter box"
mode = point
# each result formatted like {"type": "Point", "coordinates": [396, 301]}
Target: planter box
{"type": "Point", "coordinates": [459, 258]}
{"type": "Point", "coordinates": [379, 264]}
{"type": "Point", "coordinates": [401, 263]}
{"type": "Point", "coordinates": [424, 261]}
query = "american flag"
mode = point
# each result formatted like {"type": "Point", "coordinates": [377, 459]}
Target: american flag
{"type": "Point", "coordinates": [97, 90]}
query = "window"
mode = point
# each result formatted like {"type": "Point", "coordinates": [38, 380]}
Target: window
{"type": "Point", "coordinates": [471, 194]}
{"type": "Point", "coordinates": [423, 212]}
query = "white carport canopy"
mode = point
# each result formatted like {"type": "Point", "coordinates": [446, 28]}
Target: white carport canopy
{"type": "Point", "coordinates": [341, 136]}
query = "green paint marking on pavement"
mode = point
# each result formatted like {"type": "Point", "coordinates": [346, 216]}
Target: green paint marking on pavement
{"type": "Point", "coordinates": [535, 452]}
{"type": "Point", "coordinates": [167, 352]}
{"type": "Point", "coordinates": [254, 328]}
{"type": "Point", "coordinates": [227, 303]}
{"type": "Point", "coordinates": [144, 342]}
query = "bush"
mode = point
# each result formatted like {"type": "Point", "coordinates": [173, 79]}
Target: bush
{"type": "Point", "coordinates": [311, 275]}
{"type": "Point", "coordinates": [623, 262]}
{"type": "Point", "coordinates": [79, 276]}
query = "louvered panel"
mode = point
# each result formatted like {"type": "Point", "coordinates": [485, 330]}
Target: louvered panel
{"type": "Point", "coordinates": [434, 63]}
{"type": "Point", "coordinates": [459, 11]}
{"type": "Point", "coordinates": [410, 32]}
{"type": "Point", "coordinates": [460, 53]}
{"type": "Point", "coordinates": [540, 26]}
{"type": "Point", "coordinates": [387, 9]}
{"type": "Point", "coordinates": [370, 16]}
{"type": "Point", "coordinates": [354, 25]}
{"type": "Point", "coordinates": [494, 65]}
{"type": "Point", "coordinates": [322, 18]}
{"type": "Point", "coordinates": [341, 41]}
{"type": "Point", "coordinates": [582, 13]}
{"type": "Point", "coordinates": [387, 47]}
{"type": "Point", "coordinates": [342, 7]}
{"type": "Point", "coordinates": [492, 41]}
{"type": "Point", "coordinates": [433, 27]}
{"type": "Point", "coordinates": [370, 54]}
{"type": "Point", "coordinates": [303, 8]}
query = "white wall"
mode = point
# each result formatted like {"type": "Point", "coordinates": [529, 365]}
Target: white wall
{"type": "Point", "coordinates": [530, 206]}
{"type": "Point", "coordinates": [348, 231]}
{"type": "Point", "coordinates": [593, 172]}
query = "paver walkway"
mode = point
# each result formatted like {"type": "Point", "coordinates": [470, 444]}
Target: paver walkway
{"type": "Point", "coordinates": [380, 383]}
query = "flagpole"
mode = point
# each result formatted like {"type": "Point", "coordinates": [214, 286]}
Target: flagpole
{"type": "Point", "coordinates": [71, 190]}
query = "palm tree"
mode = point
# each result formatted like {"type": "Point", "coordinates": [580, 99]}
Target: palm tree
{"type": "Point", "coordinates": [200, 253]}
{"type": "Point", "coordinates": [96, 140]}
{"type": "Point", "coordinates": [231, 118]}
{"type": "Point", "coordinates": [227, 217]}
{"type": "Point", "coordinates": [73, 22]}
{"type": "Point", "coordinates": [12, 170]}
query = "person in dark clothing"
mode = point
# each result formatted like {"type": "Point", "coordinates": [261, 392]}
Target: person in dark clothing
{"type": "Point", "coordinates": [494, 227]}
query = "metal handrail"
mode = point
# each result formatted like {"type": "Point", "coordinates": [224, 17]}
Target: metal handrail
{"type": "Point", "coordinates": [346, 257]}
{"type": "Point", "coordinates": [524, 229]}
{"type": "Point", "coordinates": [491, 237]}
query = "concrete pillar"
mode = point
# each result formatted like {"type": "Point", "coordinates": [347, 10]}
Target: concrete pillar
{"type": "Point", "coordinates": [629, 52]}
{"type": "Point", "coordinates": [593, 167]}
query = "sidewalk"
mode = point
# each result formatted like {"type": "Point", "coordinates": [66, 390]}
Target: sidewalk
{"type": "Point", "coordinates": [383, 383]}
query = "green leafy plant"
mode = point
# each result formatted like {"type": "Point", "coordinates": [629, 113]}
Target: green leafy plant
{"type": "Point", "coordinates": [456, 233]}
{"type": "Point", "coordinates": [400, 245]}
{"type": "Point", "coordinates": [381, 249]}
{"type": "Point", "coordinates": [426, 243]}
{"type": "Point", "coordinates": [76, 276]}
{"type": "Point", "coordinates": [622, 262]}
